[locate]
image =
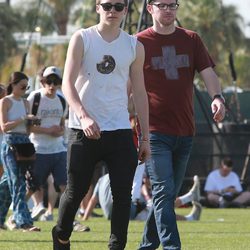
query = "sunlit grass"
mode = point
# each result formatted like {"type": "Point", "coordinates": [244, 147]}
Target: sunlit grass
{"type": "Point", "coordinates": [218, 229]}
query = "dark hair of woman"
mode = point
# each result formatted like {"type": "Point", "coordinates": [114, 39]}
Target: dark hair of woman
{"type": "Point", "coordinates": [15, 78]}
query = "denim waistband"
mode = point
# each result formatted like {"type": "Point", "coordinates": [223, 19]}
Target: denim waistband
{"type": "Point", "coordinates": [17, 138]}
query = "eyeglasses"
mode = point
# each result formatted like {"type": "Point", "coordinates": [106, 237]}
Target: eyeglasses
{"type": "Point", "coordinates": [165, 6]}
{"type": "Point", "coordinates": [25, 87]}
{"type": "Point", "coordinates": [108, 6]}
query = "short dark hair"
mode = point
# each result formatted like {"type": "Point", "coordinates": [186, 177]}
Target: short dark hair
{"type": "Point", "coordinates": [227, 161]}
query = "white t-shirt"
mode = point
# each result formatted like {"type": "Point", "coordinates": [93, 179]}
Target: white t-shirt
{"type": "Point", "coordinates": [102, 80]}
{"type": "Point", "coordinates": [216, 182]}
{"type": "Point", "coordinates": [50, 110]}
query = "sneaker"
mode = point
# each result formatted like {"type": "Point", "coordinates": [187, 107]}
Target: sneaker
{"type": "Point", "coordinates": [11, 224]}
{"type": "Point", "coordinates": [37, 211]}
{"type": "Point", "coordinates": [78, 227]}
{"type": "Point", "coordinates": [196, 211]}
{"type": "Point", "coordinates": [46, 217]}
{"type": "Point", "coordinates": [195, 190]}
{"type": "Point", "coordinates": [57, 245]}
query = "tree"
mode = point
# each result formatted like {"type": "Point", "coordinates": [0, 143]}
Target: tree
{"type": "Point", "coordinates": [61, 12]}
{"type": "Point", "coordinates": [9, 23]}
{"type": "Point", "coordinates": [219, 27]}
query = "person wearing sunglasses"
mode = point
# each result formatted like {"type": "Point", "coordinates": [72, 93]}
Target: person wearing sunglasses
{"type": "Point", "coordinates": [48, 140]}
{"type": "Point", "coordinates": [14, 114]}
{"type": "Point", "coordinates": [100, 60]}
{"type": "Point", "coordinates": [172, 56]}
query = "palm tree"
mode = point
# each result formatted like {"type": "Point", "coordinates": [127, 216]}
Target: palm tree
{"type": "Point", "coordinates": [9, 23]}
{"type": "Point", "coordinates": [219, 27]}
{"type": "Point", "coordinates": [85, 15]}
{"type": "Point", "coordinates": [60, 13]}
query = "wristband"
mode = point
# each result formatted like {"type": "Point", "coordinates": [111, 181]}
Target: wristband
{"type": "Point", "coordinates": [219, 96]}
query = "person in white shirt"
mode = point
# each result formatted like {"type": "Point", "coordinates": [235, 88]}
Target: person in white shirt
{"type": "Point", "coordinates": [223, 187]}
{"type": "Point", "coordinates": [48, 138]}
{"type": "Point", "coordinates": [100, 61]}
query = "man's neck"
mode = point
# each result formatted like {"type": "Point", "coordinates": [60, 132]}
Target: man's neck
{"type": "Point", "coordinates": [164, 29]}
{"type": "Point", "coordinates": [108, 33]}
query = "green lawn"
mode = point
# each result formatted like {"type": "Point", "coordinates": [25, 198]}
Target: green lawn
{"type": "Point", "coordinates": [218, 229]}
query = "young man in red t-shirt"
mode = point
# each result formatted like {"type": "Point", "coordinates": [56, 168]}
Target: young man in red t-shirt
{"type": "Point", "coordinates": [172, 55]}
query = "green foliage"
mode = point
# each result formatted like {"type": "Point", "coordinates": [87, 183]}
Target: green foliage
{"type": "Point", "coordinates": [218, 229]}
{"type": "Point", "coordinates": [9, 23]}
{"type": "Point", "coordinates": [85, 15]}
{"type": "Point", "coordinates": [219, 28]}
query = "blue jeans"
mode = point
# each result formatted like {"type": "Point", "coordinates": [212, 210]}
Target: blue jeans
{"type": "Point", "coordinates": [12, 183]}
{"type": "Point", "coordinates": [166, 169]}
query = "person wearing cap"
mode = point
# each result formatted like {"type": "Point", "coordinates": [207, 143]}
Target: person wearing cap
{"type": "Point", "coordinates": [100, 60]}
{"type": "Point", "coordinates": [172, 56]}
{"type": "Point", "coordinates": [48, 139]}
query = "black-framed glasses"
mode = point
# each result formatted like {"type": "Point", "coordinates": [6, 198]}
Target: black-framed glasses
{"type": "Point", "coordinates": [117, 6]}
{"type": "Point", "coordinates": [165, 6]}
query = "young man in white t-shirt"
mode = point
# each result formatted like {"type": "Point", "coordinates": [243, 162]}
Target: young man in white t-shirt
{"type": "Point", "coordinates": [223, 187]}
{"type": "Point", "coordinates": [100, 60]}
{"type": "Point", "coordinates": [48, 139]}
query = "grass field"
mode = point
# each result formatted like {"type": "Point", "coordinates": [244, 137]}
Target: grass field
{"type": "Point", "coordinates": [218, 229]}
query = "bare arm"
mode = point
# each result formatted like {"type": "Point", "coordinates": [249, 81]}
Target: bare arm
{"type": "Point", "coordinates": [213, 86]}
{"type": "Point", "coordinates": [140, 100]}
{"type": "Point", "coordinates": [72, 66]}
{"type": "Point", "coordinates": [55, 130]}
{"type": "Point", "coordinates": [91, 204]}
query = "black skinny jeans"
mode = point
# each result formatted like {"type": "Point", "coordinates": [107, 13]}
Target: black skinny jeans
{"type": "Point", "coordinates": [117, 149]}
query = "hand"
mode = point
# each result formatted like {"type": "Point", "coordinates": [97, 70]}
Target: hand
{"type": "Point", "coordinates": [32, 120]}
{"type": "Point", "coordinates": [218, 110]}
{"type": "Point", "coordinates": [144, 151]}
{"type": "Point", "coordinates": [90, 128]}
{"type": "Point", "coordinates": [230, 190]}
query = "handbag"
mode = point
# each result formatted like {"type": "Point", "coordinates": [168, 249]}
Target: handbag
{"type": "Point", "coordinates": [24, 152]}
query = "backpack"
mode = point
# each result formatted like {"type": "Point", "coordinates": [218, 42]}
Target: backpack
{"type": "Point", "coordinates": [37, 101]}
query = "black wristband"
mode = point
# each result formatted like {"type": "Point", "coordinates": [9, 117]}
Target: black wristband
{"type": "Point", "coordinates": [219, 96]}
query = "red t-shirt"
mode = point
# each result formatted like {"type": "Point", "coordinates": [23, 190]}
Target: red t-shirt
{"type": "Point", "coordinates": [169, 69]}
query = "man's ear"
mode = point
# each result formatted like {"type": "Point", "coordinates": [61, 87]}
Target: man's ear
{"type": "Point", "coordinates": [97, 7]}
{"type": "Point", "coordinates": [149, 8]}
